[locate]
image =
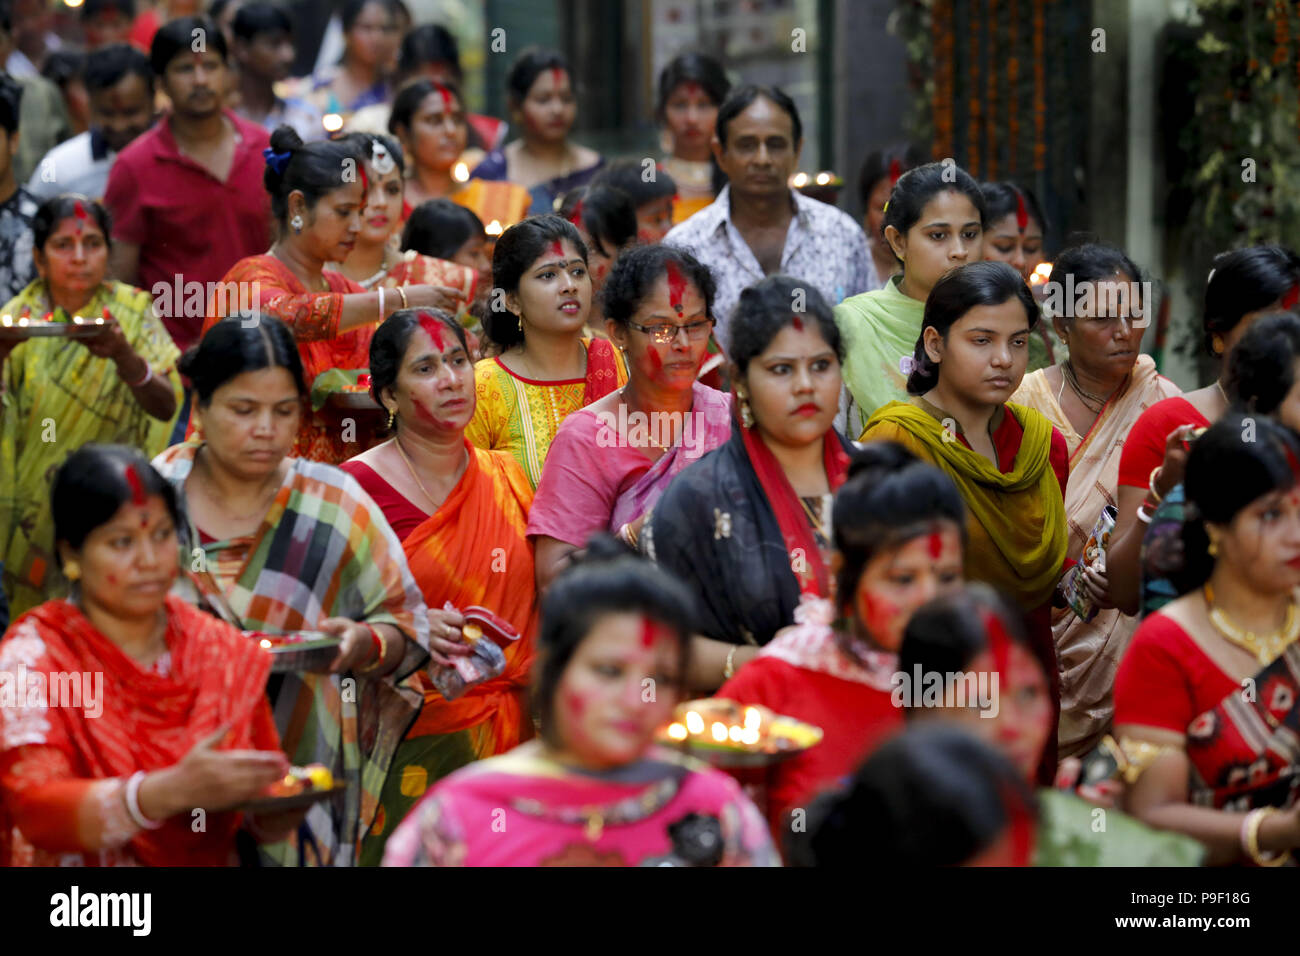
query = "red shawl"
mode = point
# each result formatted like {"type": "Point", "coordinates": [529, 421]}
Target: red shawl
{"type": "Point", "coordinates": [812, 573]}
{"type": "Point", "coordinates": [148, 722]}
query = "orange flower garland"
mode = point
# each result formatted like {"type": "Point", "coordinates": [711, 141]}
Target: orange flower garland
{"type": "Point", "coordinates": [1013, 81]}
{"type": "Point", "coordinates": [1040, 95]}
{"type": "Point", "coordinates": [990, 130]}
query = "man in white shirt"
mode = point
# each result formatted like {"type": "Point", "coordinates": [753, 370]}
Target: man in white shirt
{"type": "Point", "coordinates": [120, 85]}
{"type": "Point", "coordinates": [758, 225]}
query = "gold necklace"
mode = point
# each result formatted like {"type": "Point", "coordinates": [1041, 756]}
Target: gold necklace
{"type": "Point", "coordinates": [416, 478]}
{"type": "Point", "coordinates": [1263, 647]}
{"type": "Point", "coordinates": [818, 522]}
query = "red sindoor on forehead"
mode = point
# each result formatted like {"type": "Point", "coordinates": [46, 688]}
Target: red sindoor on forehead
{"type": "Point", "coordinates": [935, 542]}
{"type": "Point", "coordinates": [138, 497]}
{"type": "Point", "coordinates": [1022, 214]}
{"type": "Point", "coordinates": [692, 88]}
{"type": "Point", "coordinates": [433, 328]}
{"type": "Point", "coordinates": [999, 642]}
{"type": "Point", "coordinates": [557, 75]}
{"type": "Point", "coordinates": [79, 211]}
{"type": "Point", "coordinates": [648, 632]}
{"type": "Point", "coordinates": [798, 323]}
{"type": "Point", "coordinates": [676, 285]}
{"type": "Point", "coordinates": [446, 96]}
{"type": "Point", "coordinates": [555, 249]}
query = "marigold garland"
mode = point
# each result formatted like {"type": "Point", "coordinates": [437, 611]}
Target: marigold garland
{"type": "Point", "coordinates": [990, 130]}
{"type": "Point", "coordinates": [973, 99]}
{"type": "Point", "coordinates": [1040, 85]}
{"type": "Point", "coordinates": [1013, 81]}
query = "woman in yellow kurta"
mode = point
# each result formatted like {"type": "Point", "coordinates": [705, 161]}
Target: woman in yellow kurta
{"type": "Point", "coordinates": [1007, 461]}
{"type": "Point", "coordinates": [546, 368]}
{"type": "Point", "coordinates": [56, 394]}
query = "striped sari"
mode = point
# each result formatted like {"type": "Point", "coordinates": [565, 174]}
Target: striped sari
{"type": "Point", "coordinates": [323, 550]}
{"type": "Point", "coordinates": [471, 551]}
{"type": "Point", "coordinates": [55, 396]}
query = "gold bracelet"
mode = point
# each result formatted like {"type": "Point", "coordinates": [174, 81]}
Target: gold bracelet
{"type": "Point", "coordinates": [1151, 484]}
{"type": "Point", "coordinates": [1254, 820]}
{"type": "Point", "coordinates": [729, 669]}
{"type": "Point", "coordinates": [1138, 755]}
{"type": "Point", "coordinates": [402, 293]}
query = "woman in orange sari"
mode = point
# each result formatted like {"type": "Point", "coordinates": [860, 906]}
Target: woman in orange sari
{"type": "Point", "coordinates": [462, 513]}
{"type": "Point", "coordinates": [318, 198]}
{"type": "Point", "coordinates": [166, 712]}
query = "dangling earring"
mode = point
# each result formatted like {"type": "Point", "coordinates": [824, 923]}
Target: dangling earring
{"type": "Point", "coordinates": [392, 418]}
{"type": "Point", "coordinates": [519, 319]}
{"type": "Point", "coordinates": [1217, 343]}
{"type": "Point", "coordinates": [1213, 549]}
{"type": "Point", "coordinates": [746, 413]}
{"type": "Point", "coordinates": [72, 570]}
{"type": "Point", "coordinates": [296, 223]}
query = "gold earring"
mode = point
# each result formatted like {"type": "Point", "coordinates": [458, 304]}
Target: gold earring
{"type": "Point", "coordinates": [72, 570]}
{"type": "Point", "coordinates": [746, 413]}
{"type": "Point", "coordinates": [392, 418]}
{"type": "Point", "coordinates": [1213, 549]}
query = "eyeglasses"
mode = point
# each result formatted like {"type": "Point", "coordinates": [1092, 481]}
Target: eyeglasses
{"type": "Point", "coordinates": [665, 334]}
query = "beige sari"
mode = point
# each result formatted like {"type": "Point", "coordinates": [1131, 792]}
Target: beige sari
{"type": "Point", "coordinates": [1089, 653]}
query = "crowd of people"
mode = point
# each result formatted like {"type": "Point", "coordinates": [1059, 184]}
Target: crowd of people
{"type": "Point", "coordinates": [354, 362]}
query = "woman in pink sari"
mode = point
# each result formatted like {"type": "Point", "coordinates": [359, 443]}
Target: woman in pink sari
{"type": "Point", "coordinates": [594, 790]}
{"type": "Point", "coordinates": [610, 461]}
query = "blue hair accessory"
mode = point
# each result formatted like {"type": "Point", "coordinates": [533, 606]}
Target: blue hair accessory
{"type": "Point", "coordinates": [277, 161]}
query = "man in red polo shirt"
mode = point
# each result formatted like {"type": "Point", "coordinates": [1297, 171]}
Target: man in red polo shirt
{"type": "Point", "coordinates": [187, 196]}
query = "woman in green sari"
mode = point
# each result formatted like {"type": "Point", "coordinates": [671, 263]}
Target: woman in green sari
{"type": "Point", "coordinates": [934, 222]}
{"type": "Point", "coordinates": [56, 394]}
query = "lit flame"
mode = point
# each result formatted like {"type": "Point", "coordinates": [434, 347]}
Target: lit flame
{"type": "Point", "coordinates": [823, 178]}
{"type": "Point", "coordinates": [694, 722]}
{"type": "Point", "coordinates": [800, 180]}
{"type": "Point", "coordinates": [22, 320]}
{"type": "Point", "coordinates": [265, 643]}
{"type": "Point", "coordinates": [99, 321]}
{"type": "Point", "coordinates": [752, 717]}
{"type": "Point", "coordinates": [1041, 273]}
{"type": "Point", "coordinates": [494, 228]}
{"type": "Point", "coordinates": [7, 320]}
{"type": "Point", "coordinates": [735, 733]}
{"type": "Point", "coordinates": [460, 173]}
{"type": "Point", "coordinates": [72, 3]}
{"type": "Point", "coordinates": [677, 731]}
{"type": "Point", "coordinates": [332, 122]}
{"type": "Point", "coordinates": [719, 731]}
{"type": "Point", "coordinates": [749, 736]}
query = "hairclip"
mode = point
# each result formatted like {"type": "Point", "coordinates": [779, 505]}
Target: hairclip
{"type": "Point", "coordinates": [1292, 296]}
{"type": "Point", "coordinates": [277, 161]}
{"type": "Point", "coordinates": [381, 158]}
{"type": "Point", "coordinates": [907, 365]}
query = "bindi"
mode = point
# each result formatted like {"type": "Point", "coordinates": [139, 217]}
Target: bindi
{"type": "Point", "coordinates": [798, 323]}
{"type": "Point", "coordinates": [934, 541]}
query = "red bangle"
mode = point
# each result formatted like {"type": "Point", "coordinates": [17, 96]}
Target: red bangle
{"type": "Point", "coordinates": [377, 641]}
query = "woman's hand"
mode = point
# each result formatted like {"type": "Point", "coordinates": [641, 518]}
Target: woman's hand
{"type": "Point", "coordinates": [445, 639]}
{"type": "Point", "coordinates": [211, 779]}
{"type": "Point", "coordinates": [434, 297]}
{"type": "Point", "coordinates": [1104, 793]}
{"type": "Point", "coordinates": [357, 647]}
{"type": "Point", "coordinates": [274, 827]}
{"type": "Point", "coordinates": [1095, 582]}
{"type": "Point", "coordinates": [1174, 466]}
{"type": "Point", "coordinates": [110, 342]}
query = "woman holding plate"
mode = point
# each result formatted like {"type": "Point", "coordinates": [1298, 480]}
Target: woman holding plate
{"type": "Point", "coordinates": [595, 790]}
{"type": "Point", "coordinates": [461, 512]}
{"type": "Point", "coordinates": [180, 720]}
{"type": "Point", "coordinates": [119, 385]}
{"type": "Point", "coordinates": [283, 544]}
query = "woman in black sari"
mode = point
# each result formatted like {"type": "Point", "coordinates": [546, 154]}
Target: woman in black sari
{"type": "Point", "coordinates": [748, 525]}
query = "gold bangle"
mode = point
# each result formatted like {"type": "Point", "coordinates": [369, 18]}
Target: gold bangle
{"type": "Point", "coordinates": [402, 293]}
{"type": "Point", "coordinates": [729, 669]}
{"type": "Point", "coordinates": [1254, 820]}
{"type": "Point", "coordinates": [1138, 755]}
{"type": "Point", "coordinates": [1151, 484]}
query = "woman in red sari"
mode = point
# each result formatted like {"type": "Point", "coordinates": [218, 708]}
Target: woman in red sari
{"type": "Point", "coordinates": [167, 714]}
{"type": "Point", "coordinates": [899, 533]}
{"type": "Point", "coordinates": [318, 199]}
{"type": "Point", "coordinates": [1243, 285]}
{"type": "Point", "coordinates": [461, 513]}
{"type": "Point", "coordinates": [1207, 698]}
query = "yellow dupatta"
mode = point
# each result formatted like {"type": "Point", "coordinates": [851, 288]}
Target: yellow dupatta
{"type": "Point", "coordinates": [1016, 520]}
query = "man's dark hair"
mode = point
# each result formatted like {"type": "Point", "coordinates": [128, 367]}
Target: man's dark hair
{"type": "Point", "coordinates": [740, 99]}
{"type": "Point", "coordinates": [254, 19]}
{"type": "Point", "coordinates": [177, 37]}
{"type": "Point", "coordinates": [107, 66]}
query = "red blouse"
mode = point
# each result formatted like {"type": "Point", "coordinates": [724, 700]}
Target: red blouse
{"type": "Point", "coordinates": [403, 517]}
{"type": "Point", "coordinates": [1144, 448]}
{"type": "Point", "coordinates": [1165, 679]}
